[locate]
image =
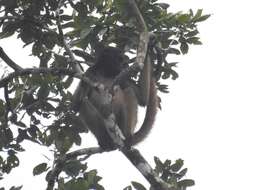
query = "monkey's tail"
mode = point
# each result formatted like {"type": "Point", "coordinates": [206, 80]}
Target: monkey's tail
{"type": "Point", "coordinates": [150, 115]}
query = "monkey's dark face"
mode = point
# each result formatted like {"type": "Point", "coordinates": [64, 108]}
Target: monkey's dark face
{"type": "Point", "coordinates": [110, 62]}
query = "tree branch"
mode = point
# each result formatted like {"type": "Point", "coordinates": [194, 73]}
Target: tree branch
{"type": "Point", "coordinates": [9, 61]}
{"type": "Point", "coordinates": [145, 169]}
{"type": "Point", "coordinates": [53, 71]}
{"type": "Point", "coordinates": [144, 35]}
{"type": "Point", "coordinates": [138, 15]}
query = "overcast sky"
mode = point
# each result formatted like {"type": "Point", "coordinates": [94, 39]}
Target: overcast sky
{"type": "Point", "coordinates": [207, 116]}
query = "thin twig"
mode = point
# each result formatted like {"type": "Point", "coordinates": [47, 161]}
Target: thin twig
{"type": "Point", "coordinates": [66, 46]}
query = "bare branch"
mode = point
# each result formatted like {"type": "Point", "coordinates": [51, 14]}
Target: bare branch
{"type": "Point", "coordinates": [9, 61]}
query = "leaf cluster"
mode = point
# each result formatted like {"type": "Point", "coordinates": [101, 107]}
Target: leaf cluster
{"type": "Point", "coordinates": [171, 173]}
{"type": "Point", "coordinates": [76, 176]}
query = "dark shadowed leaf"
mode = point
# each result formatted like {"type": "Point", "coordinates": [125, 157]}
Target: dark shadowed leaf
{"type": "Point", "coordinates": [183, 172]}
{"type": "Point", "coordinates": [184, 48]}
{"type": "Point", "coordinates": [138, 186]}
{"type": "Point", "coordinates": [43, 91]}
{"type": "Point", "coordinates": [37, 170]}
{"type": "Point", "coordinates": [192, 33]}
{"type": "Point", "coordinates": [174, 51]}
{"type": "Point", "coordinates": [177, 166]}
{"type": "Point", "coordinates": [16, 188]}
{"type": "Point", "coordinates": [73, 168]}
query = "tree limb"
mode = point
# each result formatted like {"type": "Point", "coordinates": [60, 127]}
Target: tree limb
{"type": "Point", "coordinates": [9, 61]}
{"type": "Point", "coordinates": [144, 35]}
{"type": "Point", "coordinates": [145, 169]}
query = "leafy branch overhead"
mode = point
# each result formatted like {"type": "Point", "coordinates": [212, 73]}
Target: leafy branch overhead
{"type": "Point", "coordinates": [66, 36]}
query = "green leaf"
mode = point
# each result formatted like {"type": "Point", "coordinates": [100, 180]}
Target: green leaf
{"type": "Point", "coordinates": [184, 18]}
{"type": "Point", "coordinates": [66, 17]}
{"type": "Point", "coordinates": [202, 18]}
{"type": "Point", "coordinates": [72, 168]}
{"type": "Point", "coordinates": [85, 32]}
{"type": "Point", "coordinates": [138, 186]}
{"type": "Point", "coordinates": [198, 14]}
{"type": "Point", "coordinates": [39, 169]}
{"type": "Point", "coordinates": [61, 61]}
{"type": "Point", "coordinates": [184, 47]}
{"type": "Point", "coordinates": [186, 183]}
{"type": "Point", "coordinates": [13, 160]}
{"type": "Point", "coordinates": [174, 51]}
{"type": "Point", "coordinates": [68, 25]}
{"type": "Point", "coordinates": [194, 40]}
{"type": "Point", "coordinates": [91, 177]}
{"type": "Point", "coordinates": [183, 172]}
{"type": "Point", "coordinates": [159, 165]}
{"type": "Point", "coordinates": [9, 29]}
{"type": "Point", "coordinates": [177, 166]}
{"type": "Point", "coordinates": [16, 188]}
{"type": "Point", "coordinates": [43, 91]}
{"type": "Point", "coordinates": [192, 33]}
{"type": "Point", "coordinates": [63, 144]}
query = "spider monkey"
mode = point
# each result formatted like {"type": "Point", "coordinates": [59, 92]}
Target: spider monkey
{"type": "Point", "coordinates": [125, 100]}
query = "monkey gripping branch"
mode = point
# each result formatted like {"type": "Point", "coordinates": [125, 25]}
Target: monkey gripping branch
{"type": "Point", "coordinates": [110, 90]}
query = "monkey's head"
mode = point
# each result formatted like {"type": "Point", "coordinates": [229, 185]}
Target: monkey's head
{"type": "Point", "coordinates": [110, 62]}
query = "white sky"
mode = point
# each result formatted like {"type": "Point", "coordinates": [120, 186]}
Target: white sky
{"type": "Point", "coordinates": [206, 117]}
